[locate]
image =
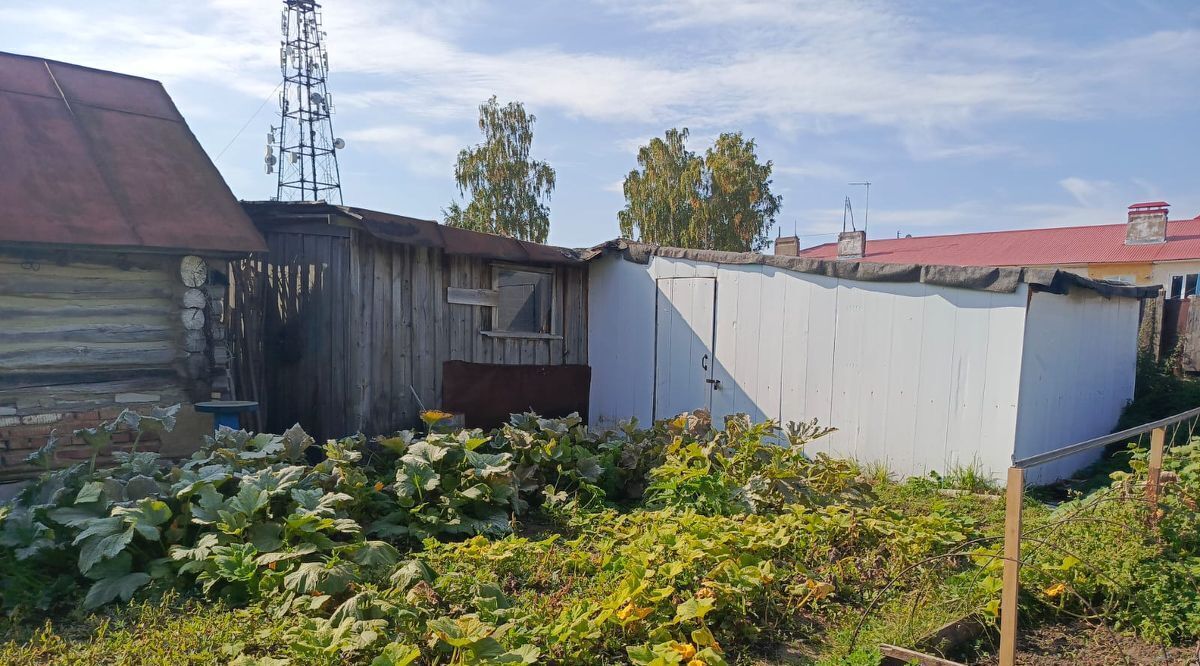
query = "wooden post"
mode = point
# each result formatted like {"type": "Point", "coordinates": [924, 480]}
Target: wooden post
{"type": "Point", "coordinates": [1154, 472]}
{"type": "Point", "coordinates": [1014, 495]}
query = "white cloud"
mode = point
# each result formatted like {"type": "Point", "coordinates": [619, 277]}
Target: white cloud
{"type": "Point", "coordinates": [421, 150]}
{"type": "Point", "coordinates": [711, 65]}
{"type": "Point", "coordinates": [814, 169]}
{"type": "Point", "coordinates": [1089, 193]}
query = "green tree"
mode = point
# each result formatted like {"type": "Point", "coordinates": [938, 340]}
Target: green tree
{"type": "Point", "coordinates": [508, 191]}
{"type": "Point", "coordinates": [721, 201]}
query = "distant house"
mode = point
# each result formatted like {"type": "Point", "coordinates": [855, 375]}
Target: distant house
{"type": "Point", "coordinates": [1146, 250]}
{"type": "Point", "coordinates": [114, 243]}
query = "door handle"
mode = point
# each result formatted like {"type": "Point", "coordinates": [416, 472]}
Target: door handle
{"type": "Point", "coordinates": [704, 362]}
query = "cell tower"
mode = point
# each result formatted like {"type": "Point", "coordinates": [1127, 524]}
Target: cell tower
{"type": "Point", "coordinates": [307, 151]}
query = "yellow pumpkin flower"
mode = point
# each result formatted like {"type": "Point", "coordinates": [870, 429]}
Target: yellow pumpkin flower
{"type": "Point", "coordinates": [432, 416]}
{"type": "Point", "coordinates": [1056, 589]}
{"type": "Point", "coordinates": [685, 650]}
{"type": "Point", "coordinates": [378, 486]}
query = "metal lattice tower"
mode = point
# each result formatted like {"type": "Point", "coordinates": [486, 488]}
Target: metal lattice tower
{"type": "Point", "coordinates": [307, 161]}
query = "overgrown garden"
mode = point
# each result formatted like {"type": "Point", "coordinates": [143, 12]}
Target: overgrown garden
{"type": "Point", "coordinates": [542, 542]}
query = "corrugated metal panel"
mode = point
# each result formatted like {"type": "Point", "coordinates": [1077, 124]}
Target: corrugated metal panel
{"type": "Point", "coordinates": [99, 158]}
{"type": "Point", "coordinates": [1029, 247]}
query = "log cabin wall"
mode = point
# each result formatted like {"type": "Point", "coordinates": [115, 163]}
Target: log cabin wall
{"type": "Point", "coordinates": [87, 334]}
{"type": "Point", "coordinates": [355, 329]}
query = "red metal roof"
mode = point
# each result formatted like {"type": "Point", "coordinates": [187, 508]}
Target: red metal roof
{"type": "Point", "coordinates": [1062, 246]}
{"type": "Point", "coordinates": [98, 158]}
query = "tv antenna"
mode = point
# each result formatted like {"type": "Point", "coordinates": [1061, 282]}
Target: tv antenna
{"type": "Point", "coordinates": [307, 161]}
{"type": "Point", "coordinates": [867, 207]}
{"type": "Point", "coordinates": [848, 214]}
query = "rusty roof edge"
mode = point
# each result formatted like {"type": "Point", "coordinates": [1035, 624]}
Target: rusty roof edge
{"type": "Point", "coordinates": [1000, 279]}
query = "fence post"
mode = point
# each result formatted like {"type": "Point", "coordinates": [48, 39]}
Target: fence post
{"type": "Point", "coordinates": [1154, 471]}
{"type": "Point", "coordinates": [1014, 495]}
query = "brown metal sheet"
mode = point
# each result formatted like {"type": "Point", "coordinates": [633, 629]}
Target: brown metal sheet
{"type": "Point", "coordinates": [488, 393]}
{"type": "Point", "coordinates": [112, 164]}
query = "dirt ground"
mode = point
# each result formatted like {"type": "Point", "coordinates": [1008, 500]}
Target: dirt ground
{"type": "Point", "coordinates": [1081, 644]}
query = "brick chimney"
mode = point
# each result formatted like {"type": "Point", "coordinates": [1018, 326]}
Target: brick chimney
{"type": "Point", "coordinates": [1147, 223]}
{"type": "Point", "coordinates": [787, 246]}
{"type": "Point", "coordinates": [852, 245]}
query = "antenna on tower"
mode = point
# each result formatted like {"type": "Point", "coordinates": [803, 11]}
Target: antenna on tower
{"type": "Point", "coordinates": [307, 161]}
{"type": "Point", "coordinates": [867, 207]}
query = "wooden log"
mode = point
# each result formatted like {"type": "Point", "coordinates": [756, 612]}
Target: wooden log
{"type": "Point", "coordinates": [35, 285]}
{"type": "Point", "coordinates": [1014, 497]}
{"type": "Point", "coordinates": [84, 356]}
{"type": "Point", "coordinates": [192, 318]}
{"type": "Point", "coordinates": [90, 333]}
{"type": "Point", "coordinates": [194, 298]}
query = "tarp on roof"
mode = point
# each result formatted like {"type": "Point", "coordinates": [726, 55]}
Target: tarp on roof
{"type": "Point", "coordinates": [98, 158]}
{"type": "Point", "coordinates": [412, 231]}
{"type": "Point", "coordinates": [1004, 279]}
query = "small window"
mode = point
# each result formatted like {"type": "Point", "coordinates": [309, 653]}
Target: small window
{"type": "Point", "coordinates": [526, 298]}
{"type": "Point", "coordinates": [1183, 286]}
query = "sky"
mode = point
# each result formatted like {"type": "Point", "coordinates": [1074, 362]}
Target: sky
{"type": "Point", "coordinates": [964, 115]}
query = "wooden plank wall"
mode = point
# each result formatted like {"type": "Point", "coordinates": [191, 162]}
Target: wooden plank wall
{"type": "Point", "coordinates": [355, 330]}
{"type": "Point", "coordinates": [304, 332]}
{"type": "Point", "coordinates": [79, 331]}
{"type": "Point", "coordinates": [408, 329]}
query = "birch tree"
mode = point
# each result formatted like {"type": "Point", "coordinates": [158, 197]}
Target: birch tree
{"type": "Point", "coordinates": [721, 201]}
{"type": "Point", "coordinates": [508, 192]}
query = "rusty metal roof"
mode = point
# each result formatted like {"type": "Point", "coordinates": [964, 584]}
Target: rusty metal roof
{"type": "Point", "coordinates": [410, 231]}
{"type": "Point", "coordinates": [97, 158]}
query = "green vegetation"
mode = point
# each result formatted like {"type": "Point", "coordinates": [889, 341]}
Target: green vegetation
{"type": "Point", "coordinates": [719, 201]}
{"type": "Point", "coordinates": [508, 189]}
{"type": "Point", "coordinates": [542, 542]}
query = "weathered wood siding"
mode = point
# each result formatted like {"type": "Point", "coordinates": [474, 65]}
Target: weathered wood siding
{"type": "Point", "coordinates": [86, 334]}
{"type": "Point", "coordinates": [75, 335]}
{"type": "Point", "coordinates": [408, 329]}
{"type": "Point", "coordinates": [356, 329]}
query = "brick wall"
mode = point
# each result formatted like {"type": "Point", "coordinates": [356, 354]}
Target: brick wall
{"type": "Point", "coordinates": [22, 435]}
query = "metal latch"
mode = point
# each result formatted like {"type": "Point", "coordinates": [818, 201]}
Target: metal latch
{"type": "Point", "coordinates": [716, 383]}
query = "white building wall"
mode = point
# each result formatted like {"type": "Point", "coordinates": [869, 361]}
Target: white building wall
{"type": "Point", "coordinates": [915, 376]}
{"type": "Point", "coordinates": [1078, 369]}
{"type": "Point", "coordinates": [620, 341]}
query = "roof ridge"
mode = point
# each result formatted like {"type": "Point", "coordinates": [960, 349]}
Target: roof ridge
{"type": "Point", "coordinates": [78, 66]}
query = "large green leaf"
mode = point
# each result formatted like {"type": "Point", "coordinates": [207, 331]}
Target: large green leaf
{"type": "Point", "coordinates": [145, 516]}
{"type": "Point", "coordinates": [100, 546]}
{"type": "Point", "coordinates": [108, 589]}
{"type": "Point", "coordinates": [397, 654]}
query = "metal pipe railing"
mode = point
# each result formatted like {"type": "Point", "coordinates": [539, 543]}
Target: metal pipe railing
{"type": "Point", "coordinates": [1015, 497]}
{"type": "Point", "coordinates": [1104, 440]}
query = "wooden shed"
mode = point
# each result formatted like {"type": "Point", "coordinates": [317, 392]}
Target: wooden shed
{"type": "Point", "coordinates": [356, 320]}
{"type": "Point", "coordinates": [113, 248]}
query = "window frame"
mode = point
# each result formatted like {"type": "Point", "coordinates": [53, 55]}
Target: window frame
{"type": "Point", "coordinates": [1183, 287]}
{"type": "Point", "coordinates": [555, 331]}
